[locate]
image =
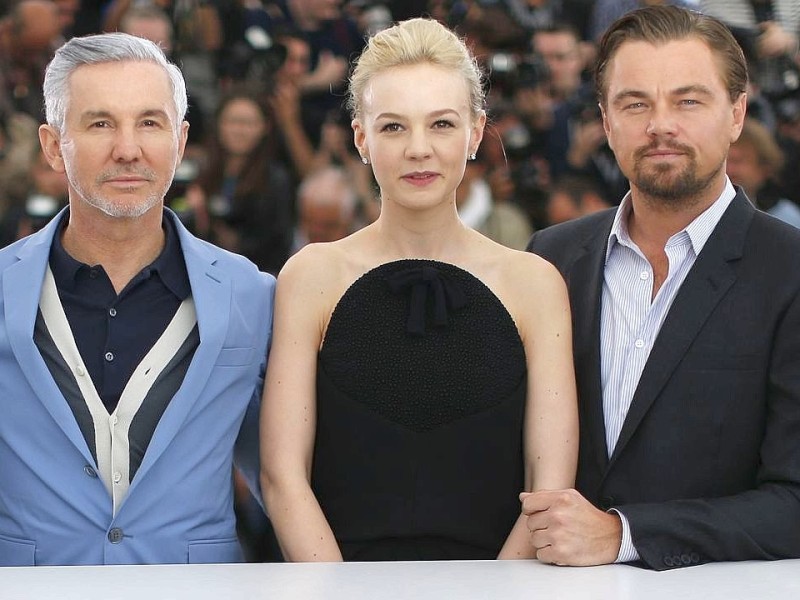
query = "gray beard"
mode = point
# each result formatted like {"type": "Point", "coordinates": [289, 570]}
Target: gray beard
{"type": "Point", "coordinates": [117, 211]}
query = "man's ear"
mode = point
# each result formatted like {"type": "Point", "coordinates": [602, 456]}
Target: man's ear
{"type": "Point", "coordinates": [606, 125]}
{"type": "Point", "coordinates": [739, 110]}
{"type": "Point", "coordinates": [50, 140]}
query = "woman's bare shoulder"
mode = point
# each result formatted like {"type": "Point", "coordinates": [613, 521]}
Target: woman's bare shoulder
{"type": "Point", "coordinates": [529, 287]}
{"type": "Point", "coordinates": [321, 273]}
{"type": "Point", "coordinates": [512, 270]}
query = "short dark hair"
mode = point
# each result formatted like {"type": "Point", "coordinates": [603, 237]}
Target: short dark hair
{"type": "Point", "coordinates": [661, 24]}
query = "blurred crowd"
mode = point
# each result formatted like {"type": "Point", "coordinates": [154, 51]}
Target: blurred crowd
{"type": "Point", "coordinates": [271, 165]}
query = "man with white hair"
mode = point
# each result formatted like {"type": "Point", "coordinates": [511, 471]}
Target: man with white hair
{"type": "Point", "coordinates": [131, 353]}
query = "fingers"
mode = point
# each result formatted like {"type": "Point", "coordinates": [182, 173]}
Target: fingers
{"type": "Point", "coordinates": [542, 500]}
{"type": "Point", "coordinates": [547, 555]}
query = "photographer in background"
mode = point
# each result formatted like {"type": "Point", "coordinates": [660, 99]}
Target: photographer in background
{"type": "Point", "coordinates": [787, 112]}
{"type": "Point", "coordinates": [332, 37]}
{"type": "Point", "coordinates": [151, 22]}
{"type": "Point", "coordinates": [45, 194]}
{"type": "Point", "coordinates": [197, 38]}
{"type": "Point", "coordinates": [767, 31]}
{"type": "Point", "coordinates": [495, 217]}
{"type": "Point", "coordinates": [576, 143]}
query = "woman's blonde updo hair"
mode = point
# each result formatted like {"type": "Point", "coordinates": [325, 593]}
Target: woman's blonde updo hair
{"type": "Point", "coordinates": [413, 42]}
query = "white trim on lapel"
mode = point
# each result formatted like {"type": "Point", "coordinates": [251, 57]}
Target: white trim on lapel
{"type": "Point", "coordinates": [211, 290]}
{"type": "Point", "coordinates": [22, 286]}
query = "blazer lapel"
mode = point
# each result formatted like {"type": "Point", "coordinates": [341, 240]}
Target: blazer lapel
{"type": "Point", "coordinates": [585, 289]}
{"type": "Point", "coordinates": [211, 292]}
{"type": "Point", "coordinates": [707, 282]}
{"type": "Point", "coordinates": [22, 286]}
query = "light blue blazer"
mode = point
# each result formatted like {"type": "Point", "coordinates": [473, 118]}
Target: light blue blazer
{"type": "Point", "coordinates": [54, 510]}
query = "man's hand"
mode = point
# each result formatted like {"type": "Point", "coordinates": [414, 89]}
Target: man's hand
{"type": "Point", "coordinates": [566, 529]}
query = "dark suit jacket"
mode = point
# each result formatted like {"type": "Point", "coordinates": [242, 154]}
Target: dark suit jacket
{"type": "Point", "coordinates": [707, 466]}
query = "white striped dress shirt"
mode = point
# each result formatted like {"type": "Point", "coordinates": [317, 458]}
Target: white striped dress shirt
{"type": "Point", "coordinates": [631, 317]}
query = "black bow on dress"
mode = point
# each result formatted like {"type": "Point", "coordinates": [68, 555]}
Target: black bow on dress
{"type": "Point", "coordinates": [426, 281]}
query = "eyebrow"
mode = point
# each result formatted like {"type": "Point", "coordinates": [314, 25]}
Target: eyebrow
{"type": "Point", "coordinates": [433, 114]}
{"type": "Point", "coordinates": [681, 91]}
{"type": "Point", "coordinates": [104, 114]}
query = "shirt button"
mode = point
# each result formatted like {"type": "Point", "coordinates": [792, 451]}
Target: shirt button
{"type": "Point", "coordinates": [109, 356]}
{"type": "Point", "coordinates": [80, 371]}
{"type": "Point", "coordinates": [117, 477]}
{"type": "Point", "coordinates": [89, 470]}
{"type": "Point", "coordinates": [114, 419]}
{"type": "Point", "coordinates": [112, 312]}
{"type": "Point", "coordinates": [93, 273]}
{"type": "Point", "coordinates": [639, 343]}
{"type": "Point", "coordinates": [115, 535]}
{"type": "Point", "coordinates": [644, 275]}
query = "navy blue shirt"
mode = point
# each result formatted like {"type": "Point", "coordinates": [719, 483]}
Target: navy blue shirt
{"type": "Point", "coordinates": [113, 331]}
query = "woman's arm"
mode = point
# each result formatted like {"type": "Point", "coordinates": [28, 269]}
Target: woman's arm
{"type": "Point", "coordinates": [288, 414]}
{"type": "Point", "coordinates": [551, 412]}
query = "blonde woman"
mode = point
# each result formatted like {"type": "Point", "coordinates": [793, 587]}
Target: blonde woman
{"type": "Point", "coordinates": [421, 375]}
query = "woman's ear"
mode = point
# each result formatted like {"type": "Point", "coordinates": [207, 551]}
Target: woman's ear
{"type": "Point", "coordinates": [360, 139]}
{"type": "Point", "coordinates": [476, 132]}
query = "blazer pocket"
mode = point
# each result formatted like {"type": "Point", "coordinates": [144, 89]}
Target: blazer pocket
{"type": "Point", "coordinates": [235, 357]}
{"type": "Point", "coordinates": [17, 553]}
{"type": "Point", "coordinates": [215, 551]}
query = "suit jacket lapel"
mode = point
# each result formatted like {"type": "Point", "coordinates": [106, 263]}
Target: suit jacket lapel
{"type": "Point", "coordinates": [707, 282]}
{"type": "Point", "coordinates": [585, 289]}
{"type": "Point", "coordinates": [211, 292]}
{"type": "Point", "coordinates": [22, 286]}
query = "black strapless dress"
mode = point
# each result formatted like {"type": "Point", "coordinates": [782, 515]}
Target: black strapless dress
{"type": "Point", "coordinates": [421, 388]}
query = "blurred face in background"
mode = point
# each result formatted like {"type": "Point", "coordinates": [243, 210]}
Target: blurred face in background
{"type": "Point", "coordinates": [156, 30]}
{"type": "Point", "coordinates": [745, 168]}
{"type": "Point", "coordinates": [242, 126]}
{"type": "Point", "coordinates": [321, 10]}
{"type": "Point", "coordinates": [324, 221]}
{"type": "Point", "coordinates": [37, 32]}
{"type": "Point", "coordinates": [561, 51]}
{"type": "Point", "coordinates": [297, 61]}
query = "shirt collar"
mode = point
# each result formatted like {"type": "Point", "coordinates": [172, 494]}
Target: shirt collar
{"type": "Point", "coordinates": [698, 231]}
{"type": "Point", "coordinates": [169, 264]}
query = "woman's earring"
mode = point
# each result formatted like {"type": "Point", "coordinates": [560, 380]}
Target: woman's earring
{"type": "Point", "coordinates": [472, 156]}
{"type": "Point", "coordinates": [365, 160]}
